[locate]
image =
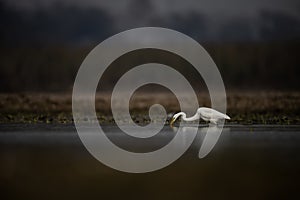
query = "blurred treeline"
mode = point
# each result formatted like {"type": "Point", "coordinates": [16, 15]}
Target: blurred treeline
{"type": "Point", "coordinates": [242, 65]}
{"type": "Point", "coordinates": [42, 50]}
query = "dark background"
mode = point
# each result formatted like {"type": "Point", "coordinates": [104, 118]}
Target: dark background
{"type": "Point", "coordinates": [255, 44]}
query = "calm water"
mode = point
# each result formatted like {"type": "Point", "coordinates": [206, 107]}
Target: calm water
{"type": "Point", "coordinates": [247, 162]}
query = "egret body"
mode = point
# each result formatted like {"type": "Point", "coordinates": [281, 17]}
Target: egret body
{"type": "Point", "coordinates": [207, 114]}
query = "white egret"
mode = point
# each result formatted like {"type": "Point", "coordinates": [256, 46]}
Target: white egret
{"type": "Point", "coordinates": [207, 114]}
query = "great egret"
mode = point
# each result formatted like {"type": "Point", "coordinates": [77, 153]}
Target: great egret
{"type": "Point", "coordinates": [207, 114]}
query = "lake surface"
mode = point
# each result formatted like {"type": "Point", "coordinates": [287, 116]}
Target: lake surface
{"type": "Point", "coordinates": [247, 162]}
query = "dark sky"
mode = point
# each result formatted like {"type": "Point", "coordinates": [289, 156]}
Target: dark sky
{"type": "Point", "coordinates": [213, 8]}
{"type": "Point", "coordinates": [204, 20]}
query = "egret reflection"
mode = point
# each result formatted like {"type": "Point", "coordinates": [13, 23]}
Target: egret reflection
{"type": "Point", "coordinates": [206, 138]}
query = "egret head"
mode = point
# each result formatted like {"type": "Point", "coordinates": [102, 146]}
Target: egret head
{"type": "Point", "coordinates": [174, 118]}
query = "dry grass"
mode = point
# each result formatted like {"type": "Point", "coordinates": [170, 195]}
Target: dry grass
{"type": "Point", "coordinates": [248, 107]}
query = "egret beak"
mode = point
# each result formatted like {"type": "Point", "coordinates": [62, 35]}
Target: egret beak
{"type": "Point", "coordinates": [172, 121]}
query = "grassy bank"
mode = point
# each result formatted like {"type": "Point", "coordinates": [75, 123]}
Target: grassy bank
{"type": "Point", "coordinates": [243, 107]}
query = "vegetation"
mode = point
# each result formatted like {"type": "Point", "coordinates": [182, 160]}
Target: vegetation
{"type": "Point", "coordinates": [243, 107]}
{"type": "Point", "coordinates": [33, 82]}
{"type": "Point", "coordinates": [272, 66]}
